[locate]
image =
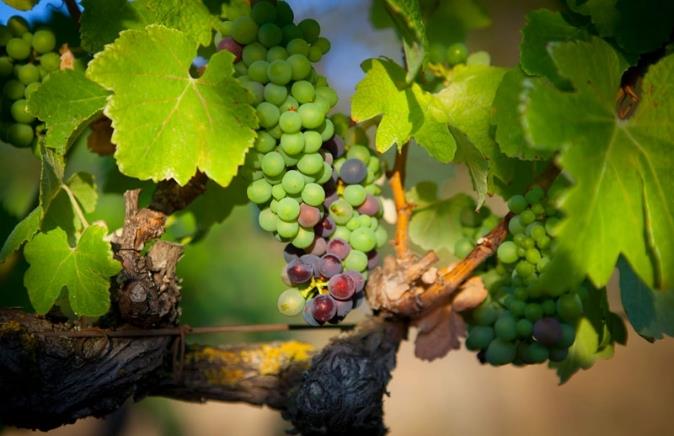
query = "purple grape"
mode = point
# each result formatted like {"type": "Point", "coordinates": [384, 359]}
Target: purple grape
{"type": "Point", "coordinates": [330, 187]}
{"type": "Point", "coordinates": [318, 247]}
{"type": "Point", "coordinates": [372, 259]}
{"type": "Point", "coordinates": [548, 331]}
{"type": "Point", "coordinates": [299, 272]}
{"type": "Point", "coordinates": [323, 308]}
{"type": "Point", "coordinates": [231, 46]}
{"type": "Point", "coordinates": [335, 146]}
{"type": "Point", "coordinates": [327, 157]}
{"type": "Point", "coordinates": [341, 287]}
{"type": "Point", "coordinates": [370, 206]}
{"type": "Point", "coordinates": [339, 248]}
{"type": "Point", "coordinates": [329, 266]}
{"type": "Point", "coordinates": [309, 216]}
{"type": "Point", "coordinates": [326, 227]}
{"type": "Point", "coordinates": [344, 307]}
{"type": "Point", "coordinates": [312, 261]}
{"type": "Point", "coordinates": [353, 171]}
{"type": "Point", "coordinates": [307, 314]}
{"type": "Point", "coordinates": [330, 199]}
{"type": "Point", "coordinates": [358, 280]}
{"type": "Point", "coordinates": [291, 253]}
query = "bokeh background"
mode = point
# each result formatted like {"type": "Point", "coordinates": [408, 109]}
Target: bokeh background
{"type": "Point", "coordinates": [231, 276]}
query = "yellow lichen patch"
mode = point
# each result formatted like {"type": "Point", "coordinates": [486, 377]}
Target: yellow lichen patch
{"type": "Point", "coordinates": [9, 327]}
{"type": "Point", "coordinates": [274, 357]}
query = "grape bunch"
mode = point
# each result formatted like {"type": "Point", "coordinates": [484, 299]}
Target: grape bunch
{"type": "Point", "coordinates": [26, 58]}
{"type": "Point", "coordinates": [313, 192]}
{"type": "Point", "coordinates": [519, 322]}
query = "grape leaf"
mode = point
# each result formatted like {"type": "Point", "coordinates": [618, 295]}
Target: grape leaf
{"type": "Point", "coordinates": [650, 311]}
{"type": "Point", "coordinates": [542, 28]}
{"type": "Point", "coordinates": [602, 13]}
{"type": "Point", "coordinates": [407, 112]}
{"type": "Point", "coordinates": [406, 15]}
{"type": "Point", "coordinates": [438, 333]}
{"type": "Point", "coordinates": [168, 124]}
{"type": "Point", "coordinates": [22, 5]}
{"type": "Point", "coordinates": [438, 226]}
{"type": "Point", "coordinates": [23, 232]}
{"type": "Point", "coordinates": [85, 270]}
{"type": "Point", "coordinates": [51, 176]}
{"type": "Point", "coordinates": [67, 101]}
{"type": "Point", "coordinates": [103, 20]}
{"type": "Point", "coordinates": [620, 203]}
{"type": "Point", "coordinates": [83, 187]}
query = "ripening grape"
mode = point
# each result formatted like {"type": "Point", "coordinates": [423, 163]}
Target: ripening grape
{"type": "Point", "coordinates": [290, 302]}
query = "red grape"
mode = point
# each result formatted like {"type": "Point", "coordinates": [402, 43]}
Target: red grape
{"type": "Point", "coordinates": [341, 287]}
{"type": "Point", "coordinates": [329, 266]}
{"type": "Point", "coordinates": [231, 46]}
{"type": "Point", "coordinates": [323, 308]}
{"type": "Point", "coordinates": [339, 248]}
{"type": "Point", "coordinates": [353, 171]}
{"type": "Point", "coordinates": [309, 216]}
{"type": "Point", "coordinates": [358, 279]}
{"type": "Point", "coordinates": [299, 272]}
{"type": "Point", "coordinates": [370, 206]}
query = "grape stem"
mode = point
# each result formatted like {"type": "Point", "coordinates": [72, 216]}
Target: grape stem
{"type": "Point", "coordinates": [403, 207]}
{"type": "Point", "coordinates": [73, 10]}
{"type": "Point", "coordinates": [75, 205]}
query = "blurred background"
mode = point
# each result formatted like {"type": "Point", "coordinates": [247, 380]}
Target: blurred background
{"type": "Point", "coordinates": [226, 282]}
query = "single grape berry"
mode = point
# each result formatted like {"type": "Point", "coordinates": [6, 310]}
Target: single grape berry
{"type": "Point", "coordinates": [548, 331]}
{"type": "Point", "coordinates": [323, 308]}
{"type": "Point", "coordinates": [341, 287]}
{"type": "Point", "coordinates": [353, 171]}
{"type": "Point", "coordinates": [290, 302]}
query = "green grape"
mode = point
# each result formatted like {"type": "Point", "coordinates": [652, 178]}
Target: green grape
{"type": "Point", "coordinates": [270, 35]}
{"type": "Point", "coordinates": [527, 217]}
{"type": "Point", "coordinates": [267, 220]}
{"type": "Point", "coordinates": [312, 116]}
{"type": "Point", "coordinates": [291, 122]}
{"type": "Point", "coordinates": [303, 91]}
{"type": "Point", "coordinates": [275, 94]}
{"type": "Point", "coordinates": [550, 225]}
{"type": "Point", "coordinates": [277, 54]}
{"type": "Point", "coordinates": [290, 32]}
{"type": "Point", "coordinates": [257, 91]}
{"type": "Point", "coordinates": [264, 142]}
{"type": "Point", "coordinates": [290, 105]}
{"type": "Point", "coordinates": [363, 239]}
{"type": "Point", "coordinates": [558, 354]}
{"type": "Point", "coordinates": [273, 164]}
{"type": "Point", "coordinates": [299, 65]}
{"type": "Point", "coordinates": [538, 209]}
{"type": "Point", "coordinates": [485, 314]}
{"type": "Point", "coordinates": [549, 307]}
{"type": "Point", "coordinates": [341, 211]}
{"type": "Point", "coordinates": [507, 252]}
{"type": "Point", "coordinates": [6, 66]}
{"type": "Point", "coordinates": [323, 44]}
{"type": "Point", "coordinates": [310, 164]}
{"type": "Point", "coordinates": [240, 69]}
{"type": "Point", "coordinates": [569, 307]}
{"type": "Point", "coordinates": [28, 37]}
{"type": "Point", "coordinates": [284, 14]}
{"type": "Point", "coordinates": [315, 54]}
{"type": "Point", "coordinates": [355, 261]}
{"type": "Point", "coordinates": [279, 72]}
{"type": "Point", "coordinates": [524, 327]}
{"type": "Point", "coordinates": [293, 182]}
{"type": "Point", "coordinates": [5, 35]}
{"type": "Point", "coordinates": [535, 353]}
{"type": "Point", "coordinates": [517, 204]}
{"type": "Point", "coordinates": [19, 111]}
{"type": "Point", "coordinates": [355, 195]}
{"type": "Point", "coordinates": [288, 209]}
{"type": "Point", "coordinates": [457, 53]}
{"type": "Point", "coordinates": [244, 30]}
{"type": "Point", "coordinates": [359, 152]}
{"type": "Point", "coordinates": [298, 46]}
{"type": "Point", "coordinates": [304, 238]}
{"type": "Point", "coordinates": [505, 328]}
{"type": "Point", "coordinates": [290, 302]}
{"type": "Point", "coordinates": [568, 336]}
{"type": "Point", "coordinates": [536, 230]}
{"type": "Point", "coordinates": [500, 352]}
{"type": "Point", "coordinates": [533, 256]}
{"type": "Point", "coordinates": [374, 164]}
{"type": "Point", "coordinates": [515, 225]}
{"type": "Point", "coordinates": [44, 41]}
{"type": "Point", "coordinates": [328, 94]}
{"type": "Point", "coordinates": [263, 12]}
{"type": "Point", "coordinates": [259, 191]}
{"type": "Point", "coordinates": [543, 263]}
{"type": "Point", "coordinates": [253, 52]}
{"type": "Point", "coordinates": [268, 114]}
{"type": "Point", "coordinates": [479, 337]}
{"type": "Point", "coordinates": [525, 269]}
{"type": "Point", "coordinates": [533, 312]}
{"type": "Point", "coordinates": [17, 25]}
{"type": "Point", "coordinates": [353, 224]}
{"type": "Point", "coordinates": [292, 143]}
{"type": "Point", "coordinates": [258, 71]}
{"type": "Point", "coordinates": [342, 233]}
{"type": "Point", "coordinates": [325, 175]}
{"type": "Point", "coordinates": [312, 141]}
{"type": "Point", "coordinates": [18, 49]}
{"type": "Point", "coordinates": [381, 235]}
{"type": "Point", "coordinates": [535, 195]}
{"type": "Point", "coordinates": [277, 191]}
{"type": "Point", "coordinates": [462, 247]}
{"type": "Point", "coordinates": [527, 244]}
{"type": "Point", "coordinates": [30, 89]}
{"type": "Point", "coordinates": [517, 307]}
{"type": "Point", "coordinates": [310, 29]}
{"type": "Point", "coordinates": [20, 135]}
{"type": "Point", "coordinates": [313, 194]}
{"type": "Point", "coordinates": [289, 160]}
{"type": "Point", "coordinates": [287, 230]}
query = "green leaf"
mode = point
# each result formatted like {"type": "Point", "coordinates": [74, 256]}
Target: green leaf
{"type": "Point", "coordinates": [407, 17]}
{"type": "Point", "coordinates": [621, 202]}
{"type": "Point", "coordinates": [103, 20]}
{"type": "Point", "coordinates": [23, 232]}
{"type": "Point", "coordinates": [51, 176]}
{"type": "Point", "coordinates": [22, 5]}
{"type": "Point", "coordinates": [67, 101]}
{"type": "Point", "coordinates": [423, 194]}
{"type": "Point", "coordinates": [650, 311]}
{"type": "Point", "coordinates": [168, 124]}
{"type": "Point", "coordinates": [83, 186]}
{"type": "Point", "coordinates": [507, 112]}
{"type": "Point", "coordinates": [407, 112]}
{"type": "Point", "coordinates": [85, 271]}
{"type": "Point", "coordinates": [438, 226]}
{"type": "Point", "coordinates": [478, 166]}
{"type": "Point", "coordinates": [542, 28]}
{"type": "Point", "coordinates": [602, 13]}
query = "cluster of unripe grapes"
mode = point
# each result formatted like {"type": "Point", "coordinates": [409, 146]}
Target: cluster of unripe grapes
{"type": "Point", "coordinates": [26, 58]}
{"type": "Point", "coordinates": [519, 322]}
{"type": "Point", "coordinates": [311, 191]}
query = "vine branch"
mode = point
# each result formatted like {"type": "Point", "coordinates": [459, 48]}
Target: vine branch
{"type": "Point", "coordinates": [403, 208]}
{"type": "Point", "coordinates": [73, 10]}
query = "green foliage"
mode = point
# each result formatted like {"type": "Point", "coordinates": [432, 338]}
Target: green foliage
{"type": "Point", "coordinates": [23, 232]}
{"type": "Point", "coordinates": [183, 117]}
{"type": "Point", "coordinates": [84, 269]}
{"type": "Point", "coordinates": [22, 5]}
{"type": "Point", "coordinates": [66, 102]}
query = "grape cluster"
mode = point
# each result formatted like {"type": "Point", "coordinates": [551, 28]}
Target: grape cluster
{"type": "Point", "coordinates": [519, 322]}
{"type": "Point", "coordinates": [26, 58]}
{"type": "Point", "coordinates": [311, 191]}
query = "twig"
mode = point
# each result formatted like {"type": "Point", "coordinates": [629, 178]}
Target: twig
{"type": "Point", "coordinates": [73, 10]}
{"type": "Point", "coordinates": [403, 208]}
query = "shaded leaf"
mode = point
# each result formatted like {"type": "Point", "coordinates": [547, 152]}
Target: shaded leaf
{"type": "Point", "coordinates": [438, 333]}
{"type": "Point", "coordinates": [406, 15]}
{"type": "Point", "coordinates": [23, 232]}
